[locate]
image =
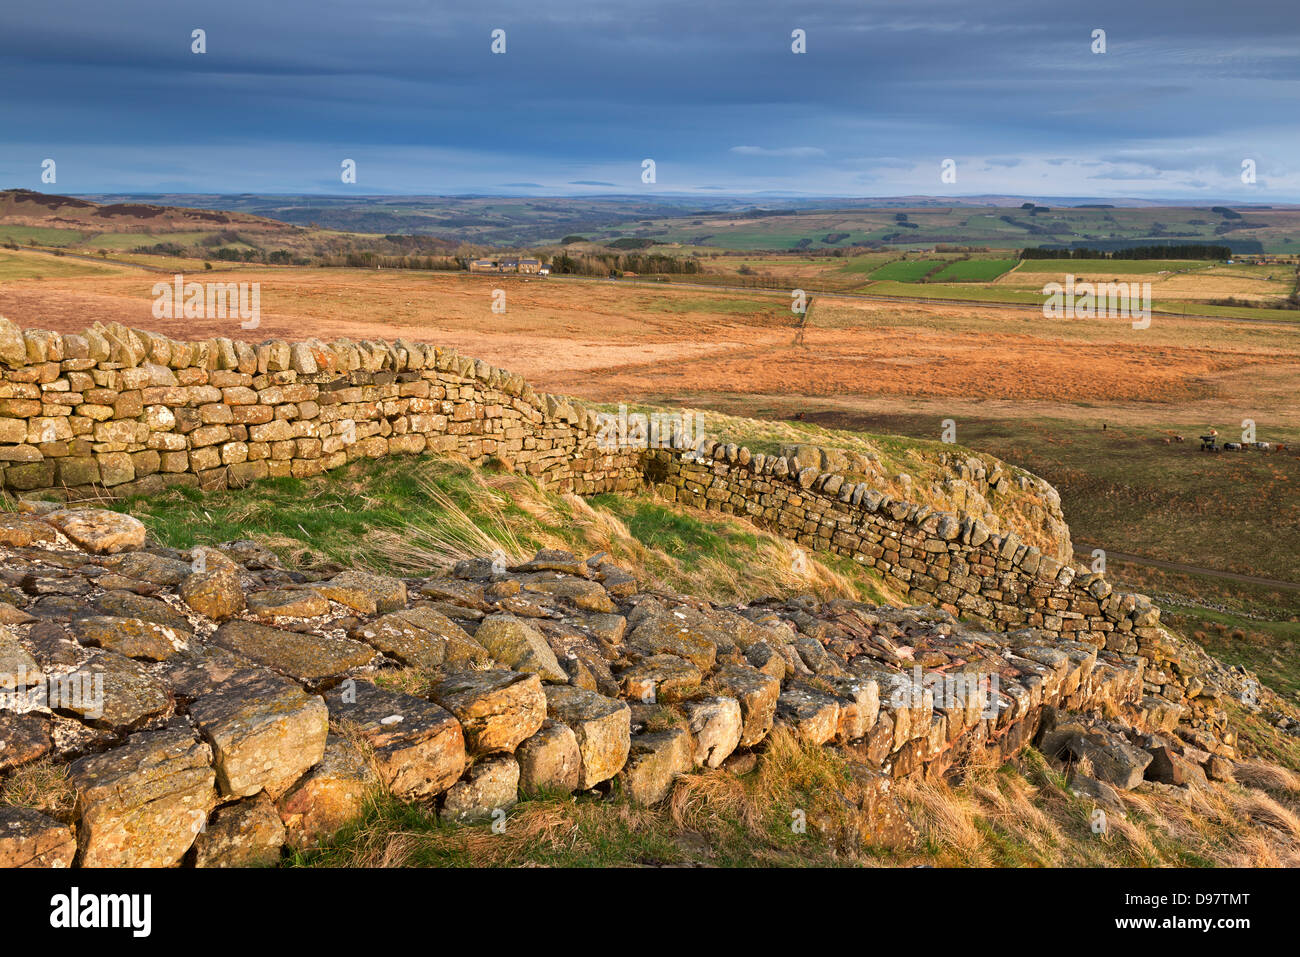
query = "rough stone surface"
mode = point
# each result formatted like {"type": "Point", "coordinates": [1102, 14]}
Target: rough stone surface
{"type": "Point", "coordinates": [365, 592]}
{"type": "Point", "coordinates": [602, 727]}
{"type": "Point", "coordinates": [264, 733]}
{"type": "Point", "coordinates": [496, 709]}
{"type": "Point", "coordinates": [31, 839]}
{"type": "Point", "coordinates": [419, 748]}
{"type": "Point", "coordinates": [422, 638]}
{"type": "Point", "coordinates": [756, 694]}
{"type": "Point", "coordinates": [550, 760]}
{"type": "Point", "coordinates": [518, 645]}
{"type": "Point", "coordinates": [654, 761]}
{"type": "Point", "coordinates": [489, 789]}
{"type": "Point", "coordinates": [142, 804]}
{"type": "Point", "coordinates": [328, 796]}
{"type": "Point", "coordinates": [306, 657]}
{"type": "Point", "coordinates": [98, 531]}
{"type": "Point", "coordinates": [716, 724]}
{"type": "Point", "coordinates": [248, 833]}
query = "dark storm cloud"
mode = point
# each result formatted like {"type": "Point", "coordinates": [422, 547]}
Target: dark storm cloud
{"type": "Point", "coordinates": [712, 92]}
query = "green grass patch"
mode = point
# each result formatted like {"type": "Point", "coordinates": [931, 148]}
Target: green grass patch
{"type": "Point", "coordinates": [906, 270]}
{"type": "Point", "coordinates": [41, 235]}
{"type": "Point", "coordinates": [974, 270]}
{"type": "Point", "coordinates": [418, 515]}
{"type": "Point", "coordinates": [15, 267]}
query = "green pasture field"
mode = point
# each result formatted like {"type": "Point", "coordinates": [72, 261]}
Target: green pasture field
{"type": "Point", "coordinates": [128, 241]}
{"type": "Point", "coordinates": [15, 267]}
{"type": "Point", "coordinates": [41, 235]}
{"type": "Point", "coordinates": [975, 270]}
{"type": "Point", "coordinates": [906, 270]}
{"type": "Point", "coordinates": [971, 292]}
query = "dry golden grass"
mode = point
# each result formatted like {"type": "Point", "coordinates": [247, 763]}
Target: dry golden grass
{"type": "Point", "coordinates": [43, 786]}
{"type": "Point", "coordinates": [1267, 777]}
{"type": "Point", "coordinates": [1019, 815]}
{"type": "Point", "coordinates": [617, 343]}
{"type": "Point", "coordinates": [459, 534]}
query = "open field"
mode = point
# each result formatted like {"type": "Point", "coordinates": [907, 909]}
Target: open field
{"type": "Point", "coordinates": [22, 265]}
{"type": "Point", "coordinates": [1031, 391]}
{"type": "Point", "coordinates": [1190, 286]}
{"type": "Point", "coordinates": [962, 251]}
{"type": "Point", "coordinates": [907, 270]}
{"type": "Point", "coordinates": [975, 270]}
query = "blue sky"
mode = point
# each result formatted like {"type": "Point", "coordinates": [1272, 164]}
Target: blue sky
{"type": "Point", "coordinates": [711, 91]}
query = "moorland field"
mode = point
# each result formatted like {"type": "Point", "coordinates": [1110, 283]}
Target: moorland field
{"type": "Point", "coordinates": [910, 326]}
{"type": "Point", "coordinates": [1094, 406]}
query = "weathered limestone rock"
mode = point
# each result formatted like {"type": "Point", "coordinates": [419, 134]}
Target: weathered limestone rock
{"type": "Point", "coordinates": [328, 796]}
{"type": "Point", "coordinates": [654, 761]}
{"type": "Point", "coordinates": [669, 635]}
{"type": "Point", "coordinates": [21, 531]}
{"type": "Point", "coordinates": [716, 724]}
{"type": "Point", "coordinates": [419, 748]}
{"type": "Point", "coordinates": [1111, 758]}
{"type": "Point", "coordinates": [422, 638]}
{"type": "Point", "coordinates": [489, 789]}
{"type": "Point", "coordinates": [18, 669]}
{"type": "Point", "coordinates": [306, 657]}
{"type": "Point", "coordinates": [859, 700]}
{"type": "Point", "coordinates": [518, 645]}
{"type": "Point", "coordinates": [142, 804]}
{"type": "Point", "coordinates": [110, 691]}
{"type": "Point", "coordinates": [132, 637]}
{"type": "Point", "coordinates": [366, 592]}
{"type": "Point", "coordinates": [215, 593]}
{"type": "Point", "coordinates": [1169, 767]}
{"type": "Point", "coordinates": [497, 709]}
{"type": "Point", "coordinates": [29, 838]}
{"type": "Point", "coordinates": [1099, 791]}
{"type": "Point", "coordinates": [813, 715]}
{"type": "Point", "coordinates": [124, 604]}
{"type": "Point", "coordinates": [608, 629]}
{"type": "Point", "coordinates": [602, 726]}
{"type": "Point", "coordinates": [550, 760]}
{"type": "Point", "coordinates": [13, 350]}
{"type": "Point", "coordinates": [23, 738]}
{"type": "Point", "coordinates": [264, 732]}
{"type": "Point", "coordinates": [99, 531]}
{"type": "Point", "coordinates": [757, 695]}
{"type": "Point", "coordinates": [657, 677]}
{"type": "Point", "coordinates": [287, 603]}
{"type": "Point", "coordinates": [588, 595]}
{"type": "Point", "coordinates": [248, 833]}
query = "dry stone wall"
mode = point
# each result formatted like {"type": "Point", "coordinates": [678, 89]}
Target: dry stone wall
{"type": "Point", "coordinates": [212, 707]}
{"type": "Point", "coordinates": [128, 412]}
{"type": "Point", "coordinates": [936, 558]}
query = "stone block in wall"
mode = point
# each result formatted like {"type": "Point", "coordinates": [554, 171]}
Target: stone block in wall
{"type": "Point", "coordinates": [78, 470]}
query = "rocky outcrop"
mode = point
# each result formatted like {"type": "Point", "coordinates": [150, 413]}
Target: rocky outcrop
{"type": "Point", "coordinates": [221, 741]}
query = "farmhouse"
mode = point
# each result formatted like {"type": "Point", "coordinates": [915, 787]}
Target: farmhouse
{"type": "Point", "coordinates": [506, 265]}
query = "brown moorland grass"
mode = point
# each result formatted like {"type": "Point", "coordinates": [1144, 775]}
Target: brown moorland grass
{"type": "Point", "coordinates": [608, 342]}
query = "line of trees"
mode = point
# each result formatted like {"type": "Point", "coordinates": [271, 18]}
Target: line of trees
{"type": "Point", "coordinates": [1184, 251]}
{"type": "Point", "coordinates": [364, 259]}
{"type": "Point", "coordinates": [605, 264]}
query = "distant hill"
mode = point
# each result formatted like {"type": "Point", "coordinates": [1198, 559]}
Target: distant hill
{"type": "Point", "coordinates": [24, 207]}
